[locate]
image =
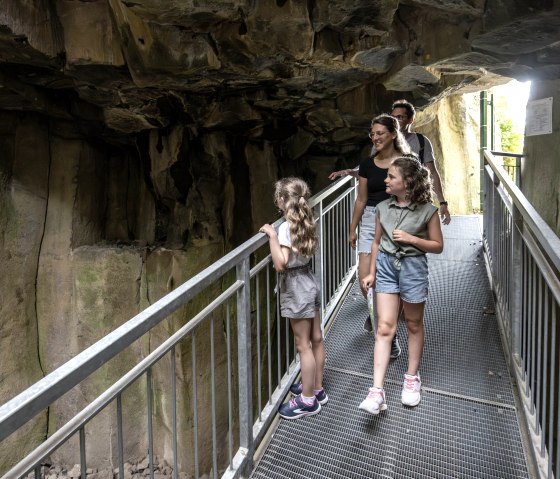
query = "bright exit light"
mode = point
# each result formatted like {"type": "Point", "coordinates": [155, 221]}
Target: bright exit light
{"type": "Point", "coordinates": [512, 100]}
{"type": "Point", "coordinates": [510, 103]}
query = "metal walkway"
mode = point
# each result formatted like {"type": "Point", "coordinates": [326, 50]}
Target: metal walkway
{"type": "Point", "coordinates": [466, 425]}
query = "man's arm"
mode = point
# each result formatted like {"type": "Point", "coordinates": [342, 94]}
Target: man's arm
{"type": "Point", "coordinates": [430, 163]}
{"type": "Point", "coordinates": [436, 181]}
{"type": "Point", "coordinates": [350, 171]}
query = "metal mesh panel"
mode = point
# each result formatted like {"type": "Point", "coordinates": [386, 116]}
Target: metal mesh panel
{"type": "Point", "coordinates": [443, 437]}
{"type": "Point", "coordinates": [466, 424]}
{"type": "Point", "coordinates": [463, 227]}
{"type": "Point", "coordinates": [460, 250]}
{"type": "Point", "coordinates": [458, 284]}
{"type": "Point", "coordinates": [462, 355]}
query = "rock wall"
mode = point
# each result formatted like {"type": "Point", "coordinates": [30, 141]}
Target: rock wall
{"type": "Point", "coordinates": [540, 172]}
{"type": "Point", "coordinates": [23, 206]}
{"type": "Point", "coordinates": [452, 125]}
{"type": "Point", "coordinates": [80, 227]}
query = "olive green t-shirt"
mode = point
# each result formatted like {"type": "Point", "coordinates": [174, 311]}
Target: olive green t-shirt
{"type": "Point", "coordinates": [412, 218]}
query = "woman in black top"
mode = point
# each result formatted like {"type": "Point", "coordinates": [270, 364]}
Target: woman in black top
{"type": "Point", "coordinates": [389, 145]}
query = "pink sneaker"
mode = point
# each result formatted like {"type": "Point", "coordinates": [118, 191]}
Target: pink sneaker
{"type": "Point", "coordinates": [375, 401]}
{"type": "Point", "coordinates": [411, 390]}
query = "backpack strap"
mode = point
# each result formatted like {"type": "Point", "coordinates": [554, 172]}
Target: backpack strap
{"type": "Point", "coordinates": [422, 141]}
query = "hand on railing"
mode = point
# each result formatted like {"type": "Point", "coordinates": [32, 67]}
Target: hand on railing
{"type": "Point", "coordinates": [337, 174]}
{"type": "Point", "coordinates": [268, 230]}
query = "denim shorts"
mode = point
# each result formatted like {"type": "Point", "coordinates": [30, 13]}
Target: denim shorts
{"type": "Point", "coordinates": [367, 230]}
{"type": "Point", "coordinates": [410, 281]}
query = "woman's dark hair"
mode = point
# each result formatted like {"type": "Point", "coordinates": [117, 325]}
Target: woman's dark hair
{"type": "Point", "coordinates": [391, 123]}
{"type": "Point", "coordinates": [416, 178]}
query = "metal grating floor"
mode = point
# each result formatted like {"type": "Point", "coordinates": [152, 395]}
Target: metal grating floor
{"type": "Point", "coordinates": [466, 425]}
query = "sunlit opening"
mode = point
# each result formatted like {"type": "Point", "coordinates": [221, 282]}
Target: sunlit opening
{"type": "Point", "coordinates": [510, 102]}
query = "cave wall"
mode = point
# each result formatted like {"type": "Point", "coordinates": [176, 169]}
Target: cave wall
{"type": "Point", "coordinates": [23, 205]}
{"type": "Point", "coordinates": [79, 221]}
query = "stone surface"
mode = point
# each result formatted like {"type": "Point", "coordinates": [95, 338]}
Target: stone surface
{"type": "Point", "coordinates": [129, 60]}
{"type": "Point", "coordinates": [454, 120]}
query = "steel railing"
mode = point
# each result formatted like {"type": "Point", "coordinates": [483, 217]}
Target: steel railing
{"type": "Point", "coordinates": [514, 171]}
{"type": "Point", "coordinates": [522, 253]}
{"type": "Point", "coordinates": [252, 363]}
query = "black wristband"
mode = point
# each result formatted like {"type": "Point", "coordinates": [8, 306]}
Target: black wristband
{"type": "Point", "coordinates": [443, 203]}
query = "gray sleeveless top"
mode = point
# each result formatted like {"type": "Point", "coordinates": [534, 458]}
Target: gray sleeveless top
{"type": "Point", "coordinates": [413, 219]}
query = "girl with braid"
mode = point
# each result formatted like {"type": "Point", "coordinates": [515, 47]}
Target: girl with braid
{"type": "Point", "coordinates": [407, 227]}
{"type": "Point", "coordinates": [291, 249]}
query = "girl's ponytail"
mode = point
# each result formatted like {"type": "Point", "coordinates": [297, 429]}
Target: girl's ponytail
{"type": "Point", "coordinates": [291, 196]}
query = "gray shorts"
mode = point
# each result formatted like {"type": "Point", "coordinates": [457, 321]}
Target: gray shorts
{"type": "Point", "coordinates": [410, 280]}
{"type": "Point", "coordinates": [299, 294]}
{"type": "Point", "coordinates": [367, 230]}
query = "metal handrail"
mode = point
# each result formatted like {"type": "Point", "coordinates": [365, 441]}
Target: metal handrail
{"type": "Point", "coordinates": [523, 257]}
{"type": "Point", "coordinates": [543, 233]}
{"type": "Point", "coordinates": [505, 153]}
{"type": "Point", "coordinates": [112, 392]}
{"type": "Point", "coordinates": [514, 171]}
{"type": "Point", "coordinates": [20, 409]}
{"type": "Point", "coordinates": [332, 207]}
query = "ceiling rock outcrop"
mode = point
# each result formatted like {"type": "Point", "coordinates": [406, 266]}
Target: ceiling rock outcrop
{"type": "Point", "coordinates": [117, 68]}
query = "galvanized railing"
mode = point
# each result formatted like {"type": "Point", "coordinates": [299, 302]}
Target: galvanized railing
{"type": "Point", "coordinates": [513, 170]}
{"type": "Point", "coordinates": [249, 354]}
{"type": "Point", "coordinates": [523, 255]}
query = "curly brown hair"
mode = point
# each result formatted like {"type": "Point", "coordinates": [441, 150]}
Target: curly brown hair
{"type": "Point", "coordinates": [291, 195]}
{"type": "Point", "coordinates": [416, 177]}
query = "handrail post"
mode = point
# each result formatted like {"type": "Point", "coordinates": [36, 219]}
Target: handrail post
{"type": "Point", "coordinates": [517, 283]}
{"type": "Point", "coordinates": [319, 256]}
{"type": "Point", "coordinates": [483, 138]}
{"type": "Point", "coordinates": [486, 206]}
{"type": "Point", "coordinates": [243, 271]}
{"type": "Point", "coordinates": [355, 184]}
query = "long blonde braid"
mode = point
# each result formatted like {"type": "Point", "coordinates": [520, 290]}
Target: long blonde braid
{"type": "Point", "coordinates": [291, 196]}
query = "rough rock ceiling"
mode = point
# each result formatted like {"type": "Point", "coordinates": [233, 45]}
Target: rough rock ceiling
{"type": "Point", "coordinates": [116, 68]}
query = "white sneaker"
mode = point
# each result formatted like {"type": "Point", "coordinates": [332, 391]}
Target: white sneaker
{"type": "Point", "coordinates": [411, 390]}
{"type": "Point", "coordinates": [375, 401]}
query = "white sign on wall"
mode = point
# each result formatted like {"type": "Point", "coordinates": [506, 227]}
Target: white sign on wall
{"type": "Point", "coordinates": [538, 117]}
